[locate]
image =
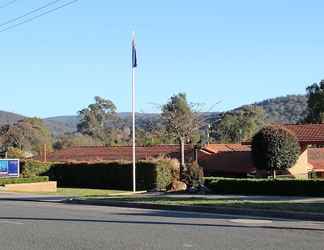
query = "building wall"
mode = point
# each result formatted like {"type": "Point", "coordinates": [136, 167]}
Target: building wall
{"type": "Point", "coordinates": [302, 166]}
{"type": "Point", "coordinates": [226, 165]}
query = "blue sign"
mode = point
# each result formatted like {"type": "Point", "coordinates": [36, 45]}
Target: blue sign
{"type": "Point", "coordinates": [9, 168]}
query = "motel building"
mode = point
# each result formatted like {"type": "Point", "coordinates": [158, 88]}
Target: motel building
{"type": "Point", "coordinates": [235, 160]}
{"type": "Point", "coordinates": [226, 160]}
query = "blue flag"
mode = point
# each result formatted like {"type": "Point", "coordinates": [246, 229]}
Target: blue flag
{"type": "Point", "coordinates": [134, 56]}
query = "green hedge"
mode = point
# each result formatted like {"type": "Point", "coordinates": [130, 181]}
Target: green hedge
{"type": "Point", "coordinates": [4, 181]}
{"type": "Point", "coordinates": [117, 175]}
{"type": "Point", "coordinates": [32, 168]}
{"type": "Point", "coordinates": [265, 186]}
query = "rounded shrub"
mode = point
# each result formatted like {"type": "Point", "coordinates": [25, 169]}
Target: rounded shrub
{"type": "Point", "coordinates": [274, 148]}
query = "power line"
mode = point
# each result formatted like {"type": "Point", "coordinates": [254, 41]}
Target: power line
{"type": "Point", "coordinates": [29, 13]}
{"type": "Point", "coordinates": [7, 4]}
{"type": "Point", "coordinates": [38, 16]}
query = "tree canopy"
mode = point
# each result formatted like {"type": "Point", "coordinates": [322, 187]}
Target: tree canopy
{"type": "Point", "coordinates": [239, 125]}
{"type": "Point", "coordinates": [29, 134]}
{"type": "Point", "coordinates": [274, 148]}
{"type": "Point", "coordinates": [315, 103]}
{"type": "Point", "coordinates": [179, 118]}
{"type": "Point", "coordinates": [97, 120]}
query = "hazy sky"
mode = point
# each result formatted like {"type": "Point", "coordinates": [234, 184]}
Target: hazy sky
{"type": "Point", "coordinates": [236, 52]}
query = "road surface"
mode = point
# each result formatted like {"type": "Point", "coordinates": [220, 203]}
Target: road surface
{"type": "Point", "coordinates": [37, 225]}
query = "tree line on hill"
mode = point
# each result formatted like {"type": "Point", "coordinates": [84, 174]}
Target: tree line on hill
{"type": "Point", "coordinates": [179, 121]}
{"type": "Point", "coordinates": [99, 124]}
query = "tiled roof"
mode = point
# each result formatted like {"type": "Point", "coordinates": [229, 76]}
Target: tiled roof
{"type": "Point", "coordinates": [226, 158]}
{"type": "Point", "coordinates": [308, 133]}
{"type": "Point", "coordinates": [90, 153]}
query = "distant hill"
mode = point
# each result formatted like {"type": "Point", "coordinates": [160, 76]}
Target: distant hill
{"type": "Point", "coordinates": [67, 124]}
{"type": "Point", "coordinates": [62, 124]}
{"type": "Point", "coordinates": [9, 118]}
{"type": "Point", "coordinates": [286, 109]}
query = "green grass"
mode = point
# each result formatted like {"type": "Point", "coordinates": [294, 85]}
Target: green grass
{"type": "Point", "coordinates": [82, 192]}
{"type": "Point", "coordinates": [289, 206]}
{"type": "Point", "coordinates": [86, 192]}
{"type": "Point", "coordinates": [5, 181]}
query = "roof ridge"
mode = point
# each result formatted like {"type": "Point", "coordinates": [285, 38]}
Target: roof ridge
{"type": "Point", "coordinates": [224, 144]}
{"type": "Point", "coordinates": [207, 150]}
{"type": "Point", "coordinates": [303, 125]}
{"type": "Point", "coordinates": [127, 146]}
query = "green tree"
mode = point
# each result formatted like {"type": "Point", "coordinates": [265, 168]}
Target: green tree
{"type": "Point", "coordinates": [240, 125]}
{"type": "Point", "coordinates": [315, 103]}
{"type": "Point", "coordinates": [180, 120]}
{"type": "Point", "coordinates": [274, 148]}
{"type": "Point", "coordinates": [152, 132]}
{"type": "Point", "coordinates": [97, 120]}
{"type": "Point", "coordinates": [29, 134]}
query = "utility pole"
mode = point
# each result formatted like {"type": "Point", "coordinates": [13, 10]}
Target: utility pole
{"type": "Point", "coordinates": [182, 156]}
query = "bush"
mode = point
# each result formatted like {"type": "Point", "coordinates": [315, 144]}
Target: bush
{"type": "Point", "coordinates": [194, 176]}
{"type": "Point", "coordinates": [166, 171]}
{"type": "Point", "coordinates": [32, 168]}
{"type": "Point", "coordinates": [274, 148]}
{"type": "Point", "coordinates": [5, 181]}
{"type": "Point", "coordinates": [154, 174]}
{"type": "Point", "coordinates": [15, 153]}
{"type": "Point", "coordinates": [171, 163]}
{"type": "Point", "coordinates": [265, 186]}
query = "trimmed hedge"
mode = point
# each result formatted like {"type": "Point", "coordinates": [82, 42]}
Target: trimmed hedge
{"type": "Point", "coordinates": [265, 186]}
{"type": "Point", "coordinates": [5, 181]}
{"type": "Point", "coordinates": [155, 174]}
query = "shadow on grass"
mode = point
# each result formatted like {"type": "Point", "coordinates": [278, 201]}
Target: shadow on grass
{"type": "Point", "coordinates": [287, 206]}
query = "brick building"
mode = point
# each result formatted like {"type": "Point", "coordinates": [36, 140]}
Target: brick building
{"type": "Point", "coordinates": [235, 160]}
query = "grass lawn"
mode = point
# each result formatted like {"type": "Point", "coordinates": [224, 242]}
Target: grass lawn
{"type": "Point", "coordinates": [82, 192]}
{"type": "Point", "coordinates": [289, 206]}
{"type": "Point", "coordinates": [86, 192]}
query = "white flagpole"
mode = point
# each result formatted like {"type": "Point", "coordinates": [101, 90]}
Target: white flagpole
{"type": "Point", "coordinates": [133, 113]}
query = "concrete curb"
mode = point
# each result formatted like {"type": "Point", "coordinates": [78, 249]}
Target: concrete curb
{"type": "Point", "coordinates": [203, 209]}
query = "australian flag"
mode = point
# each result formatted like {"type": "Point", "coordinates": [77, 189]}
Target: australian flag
{"type": "Point", "coordinates": [134, 56]}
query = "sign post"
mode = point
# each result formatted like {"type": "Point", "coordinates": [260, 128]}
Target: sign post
{"type": "Point", "coordinates": [9, 167]}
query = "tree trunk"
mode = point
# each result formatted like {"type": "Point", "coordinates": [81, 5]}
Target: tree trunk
{"type": "Point", "coordinates": [182, 163]}
{"type": "Point", "coordinates": [274, 174]}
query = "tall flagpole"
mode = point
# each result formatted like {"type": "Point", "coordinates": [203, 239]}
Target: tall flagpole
{"type": "Point", "coordinates": [134, 64]}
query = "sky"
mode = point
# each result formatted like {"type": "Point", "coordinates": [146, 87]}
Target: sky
{"type": "Point", "coordinates": [222, 54]}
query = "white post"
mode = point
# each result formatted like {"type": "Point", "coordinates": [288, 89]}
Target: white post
{"type": "Point", "coordinates": [133, 113]}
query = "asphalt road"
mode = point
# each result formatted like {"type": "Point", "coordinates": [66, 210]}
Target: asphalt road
{"type": "Point", "coordinates": [35, 225]}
